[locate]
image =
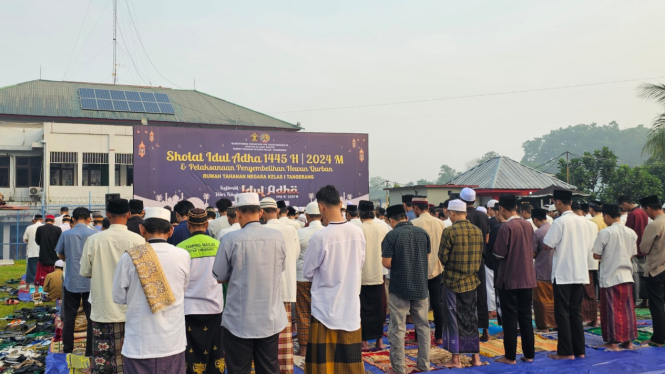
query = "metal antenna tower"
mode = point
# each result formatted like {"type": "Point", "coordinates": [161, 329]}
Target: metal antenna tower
{"type": "Point", "coordinates": [115, 22]}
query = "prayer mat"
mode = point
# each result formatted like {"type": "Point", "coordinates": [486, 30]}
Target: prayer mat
{"type": "Point", "coordinates": [303, 311]}
{"type": "Point", "coordinates": [381, 360]}
{"type": "Point", "coordinates": [79, 346]}
{"type": "Point", "coordinates": [76, 363]}
{"type": "Point", "coordinates": [439, 356]}
{"type": "Point", "coordinates": [411, 335]}
{"type": "Point", "coordinates": [643, 313]}
{"type": "Point", "coordinates": [285, 347]}
{"type": "Point", "coordinates": [494, 348]}
{"type": "Point", "coordinates": [324, 347]}
{"type": "Point", "coordinates": [643, 333]}
{"type": "Point", "coordinates": [107, 341]}
{"type": "Point", "coordinates": [545, 344]}
{"type": "Point", "coordinates": [592, 340]}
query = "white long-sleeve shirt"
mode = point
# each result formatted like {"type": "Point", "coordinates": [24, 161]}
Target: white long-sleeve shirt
{"type": "Point", "coordinates": [304, 235]}
{"type": "Point", "coordinates": [292, 250]}
{"type": "Point", "coordinates": [149, 335]}
{"type": "Point", "coordinates": [334, 262]}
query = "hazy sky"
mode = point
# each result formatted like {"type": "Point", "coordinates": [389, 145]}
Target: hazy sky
{"type": "Point", "coordinates": [292, 56]}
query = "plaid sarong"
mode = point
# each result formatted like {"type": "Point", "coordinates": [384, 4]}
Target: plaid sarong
{"type": "Point", "coordinates": [303, 311]}
{"type": "Point", "coordinates": [107, 340]}
{"type": "Point", "coordinates": [333, 351]}
{"type": "Point", "coordinates": [42, 272]}
{"type": "Point", "coordinates": [285, 348]}
{"type": "Point", "coordinates": [543, 305]}
{"type": "Point", "coordinates": [617, 313]}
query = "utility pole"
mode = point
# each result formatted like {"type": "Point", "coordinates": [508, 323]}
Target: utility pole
{"type": "Point", "coordinates": [567, 168]}
{"type": "Point", "coordinates": [115, 22]}
{"type": "Point", "coordinates": [387, 195]}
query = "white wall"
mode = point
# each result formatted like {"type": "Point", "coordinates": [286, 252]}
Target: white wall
{"type": "Point", "coordinates": [24, 139]}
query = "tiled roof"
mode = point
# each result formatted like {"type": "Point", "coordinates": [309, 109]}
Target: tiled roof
{"type": "Point", "coordinates": [61, 100]}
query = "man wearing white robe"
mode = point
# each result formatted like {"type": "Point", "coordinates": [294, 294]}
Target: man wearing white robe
{"type": "Point", "coordinates": [154, 342]}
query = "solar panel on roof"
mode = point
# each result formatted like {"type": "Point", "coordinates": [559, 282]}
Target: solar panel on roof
{"type": "Point", "coordinates": [151, 107]}
{"type": "Point", "coordinates": [147, 96]}
{"type": "Point", "coordinates": [125, 101]}
{"type": "Point", "coordinates": [162, 98]}
{"type": "Point", "coordinates": [88, 93]}
{"type": "Point", "coordinates": [120, 105]}
{"type": "Point", "coordinates": [166, 108]}
{"type": "Point", "coordinates": [136, 106]}
{"type": "Point", "coordinates": [102, 94]}
{"type": "Point", "coordinates": [133, 96]}
{"type": "Point", "coordinates": [118, 95]}
{"type": "Point", "coordinates": [88, 104]}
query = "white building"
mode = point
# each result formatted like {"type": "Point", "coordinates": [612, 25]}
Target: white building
{"type": "Point", "coordinates": [70, 141]}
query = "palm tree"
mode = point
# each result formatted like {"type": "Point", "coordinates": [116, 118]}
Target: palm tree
{"type": "Point", "coordinates": [655, 145]}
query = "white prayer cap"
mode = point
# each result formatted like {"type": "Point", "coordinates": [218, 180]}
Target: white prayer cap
{"type": "Point", "coordinates": [157, 212]}
{"type": "Point", "coordinates": [467, 194]}
{"type": "Point", "coordinates": [482, 209]}
{"type": "Point", "coordinates": [60, 264]}
{"type": "Point", "coordinates": [313, 208]}
{"type": "Point", "coordinates": [457, 205]}
{"type": "Point", "coordinates": [491, 203]}
{"type": "Point", "coordinates": [551, 208]}
{"type": "Point", "coordinates": [247, 199]}
{"type": "Point", "coordinates": [268, 202]}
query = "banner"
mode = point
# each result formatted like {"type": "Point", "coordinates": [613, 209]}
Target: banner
{"type": "Point", "coordinates": [203, 165]}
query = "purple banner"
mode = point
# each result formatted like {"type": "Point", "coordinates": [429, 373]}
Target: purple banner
{"type": "Point", "coordinates": [203, 165]}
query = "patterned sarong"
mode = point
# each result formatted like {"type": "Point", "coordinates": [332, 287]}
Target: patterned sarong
{"type": "Point", "coordinates": [303, 311]}
{"type": "Point", "coordinates": [333, 351]}
{"type": "Point", "coordinates": [617, 313]}
{"type": "Point", "coordinates": [460, 322]}
{"type": "Point", "coordinates": [285, 348]}
{"type": "Point", "coordinates": [151, 275]}
{"type": "Point", "coordinates": [589, 303]}
{"type": "Point", "coordinates": [543, 305]}
{"type": "Point", "coordinates": [372, 312]}
{"type": "Point", "coordinates": [205, 348]}
{"type": "Point", "coordinates": [107, 339]}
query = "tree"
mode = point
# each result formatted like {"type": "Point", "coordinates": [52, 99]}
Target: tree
{"type": "Point", "coordinates": [422, 182]}
{"type": "Point", "coordinates": [409, 184]}
{"type": "Point", "coordinates": [376, 186]}
{"type": "Point", "coordinates": [446, 174]}
{"type": "Point", "coordinates": [477, 161]}
{"type": "Point", "coordinates": [627, 144]}
{"type": "Point", "coordinates": [655, 144]}
{"type": "Point", "coordinates": [590, 173]}
{"type": "Point", "coordinates": [636, 182]}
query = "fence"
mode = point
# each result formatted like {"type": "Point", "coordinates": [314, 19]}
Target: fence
{"type": "Point", "coordinates": [14, 222]}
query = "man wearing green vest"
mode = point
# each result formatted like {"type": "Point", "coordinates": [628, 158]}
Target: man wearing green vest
{"type": "Point", "coordinates": [204, 300]}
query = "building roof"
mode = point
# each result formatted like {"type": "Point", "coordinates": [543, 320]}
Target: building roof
{"type": "Point", "coordinates": [549, 192]}
{"type": "Point", "coordinates": [504, 173]}
{"type": "Point", "coordinates": [52, 99]}
{"type": "Point", "coordinates": [430, 186]}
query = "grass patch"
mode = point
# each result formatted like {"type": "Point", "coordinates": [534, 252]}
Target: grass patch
{"type": "Point", "coordinates": [13, 272]}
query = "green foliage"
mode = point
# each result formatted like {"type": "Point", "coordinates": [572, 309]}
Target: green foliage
{"type": "Point", "coordinates": [597, 174]}
{"type": "Point", "coordinates": [626, 144]}
{"type": "Point", "coordinates": [446, 174]}
{"type": "Point", "coordinates": [376, 186]}
{"type": "Point", "coordinates": [591, 172]}
{"type": "Point", "coordinates": [422, 182]}
{"type": "Point", "coordinates": [636, 182]}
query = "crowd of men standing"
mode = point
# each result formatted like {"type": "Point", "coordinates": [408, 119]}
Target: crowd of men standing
{"type": "Point", "coordinates": [190, 291]}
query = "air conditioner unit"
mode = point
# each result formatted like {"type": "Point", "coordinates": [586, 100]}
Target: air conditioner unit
{"type": "Point", "coordinates": [35, 191]}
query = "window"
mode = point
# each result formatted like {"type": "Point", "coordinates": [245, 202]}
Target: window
{"type": "Point", "coordinates": [4, 171]}
{"type": "Point", "coordinates": [64, 170]}
{"type": "Point", "coordinates": [95, 169]}
{"type": "Point", "coordinates": [29, 171]}
{"type": "Point", "coordinates": [124, 169]}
